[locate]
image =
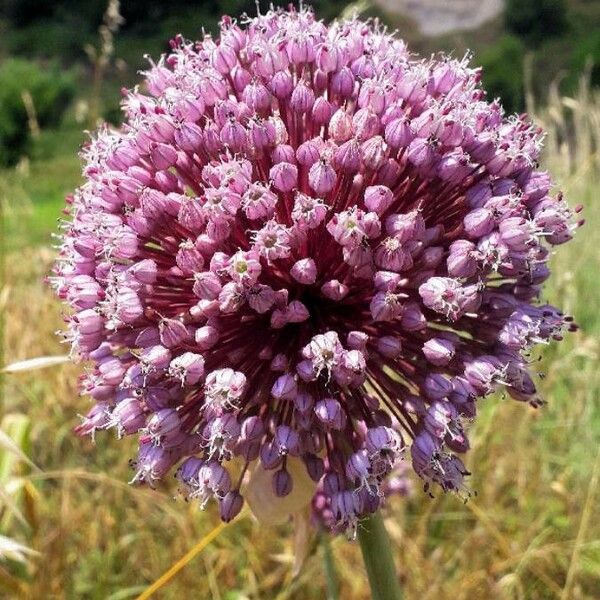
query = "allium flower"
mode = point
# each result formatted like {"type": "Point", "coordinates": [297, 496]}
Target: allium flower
{"type": "Point", "coordinates": [306, 248]}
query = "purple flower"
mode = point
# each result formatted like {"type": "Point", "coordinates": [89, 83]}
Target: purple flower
{"type": "Point", "coordinates": [306, 246]}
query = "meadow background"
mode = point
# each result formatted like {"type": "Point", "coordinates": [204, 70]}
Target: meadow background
{"type": "Point", "coordinates": [71, 527]}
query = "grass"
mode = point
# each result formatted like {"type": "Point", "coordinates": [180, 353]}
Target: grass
{"type": "Point", "coordinates": [530, 533]}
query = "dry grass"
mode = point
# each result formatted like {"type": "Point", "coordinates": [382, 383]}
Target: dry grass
{"type": "Point", "coordinates": [531, 533]}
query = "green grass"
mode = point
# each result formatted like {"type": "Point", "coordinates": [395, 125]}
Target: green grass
{"type": "Point", "coordinates": [34, 193]}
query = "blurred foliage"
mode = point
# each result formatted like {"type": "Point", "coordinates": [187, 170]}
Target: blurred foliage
{"type": "Point", "coordinates": [18, 500]}
{"type": "Point", "coordinates": [25, 12]}
{"type": "Point", "coordinates": [586, 52]}
{"type": "Point", "coordinates": [536, 20]}
{"type": "Point", "coordinates": [30, 96]}
{"type": "Point", "coordinates": [37, 28]}
{"type": "Point", "coordinates": [503, 72]}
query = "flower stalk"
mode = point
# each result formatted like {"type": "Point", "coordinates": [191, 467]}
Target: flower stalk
{"type": "Point", "coordinates": [376, 550]}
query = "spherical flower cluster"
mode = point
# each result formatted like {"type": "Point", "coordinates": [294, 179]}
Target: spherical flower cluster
{"type": "Point", "coordinates": [307, 247]}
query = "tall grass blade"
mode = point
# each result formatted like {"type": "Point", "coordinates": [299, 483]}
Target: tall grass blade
{"type": "Point", "coordinates": [183, 561]}
{"type": "Point", "coordinates": [13, 550]}
{"type": "Point", "coordinates": [31, 364]}
{"type": "Point", "coordinates": [8, 444]}
{"type": "Point", "coordinates": [583, 527]}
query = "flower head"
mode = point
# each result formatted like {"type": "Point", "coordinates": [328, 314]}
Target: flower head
{"type": "Point", "coordinates": [306, 246]}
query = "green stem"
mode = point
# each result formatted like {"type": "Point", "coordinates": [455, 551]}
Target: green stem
{"type": "Point", "coordinates": [377, 554]}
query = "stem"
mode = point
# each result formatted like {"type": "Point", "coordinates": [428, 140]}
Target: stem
{"type": "Point", "coordinates": [377, 554]}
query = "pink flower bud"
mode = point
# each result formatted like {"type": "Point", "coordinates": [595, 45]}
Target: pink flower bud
{"type": "Point", "coordinates": [304, 271]}
{"type": "Point", "coordinates": [296, 312]}
{"type": "Point", "coordinates": [334, 290]}
{"type": "Point", "coordinates": [348, 156]}
{"type": "Point", "coordinates": [342, 82]}
{"type": "Point", "coordinates": [302, 99]}
{"type": "Point", "coordinates": [374, 152]}
{"type": "Point", "coordinates": [282, 483]}
{"type": "Point", "coordinates": [284, 176]}
{"type": "Point", "coordinates": [172, 332]}
{"type": "Point", "coordinates": [321, 111]}
{"type": "Point", "coordinates": [365, 124]}
{"type": "Point", "coordinates": [234, 136]}
{"type": "Point", "coordinates": [340, 126]}
{"type": "Point", "coordinates": [231, 506]}
{"type": "Point", "coordinates": [281, 85]}
{"type": "Point", "coordinates": [309, 152]}
{"type": "Point", "coordinates": [389, 346]}
{"type": "Point", "coordinates": [322, 177]}
{"type": "Point", "coordinates": [438, 351]}
{"type": "Point", "coordinates": [398, 133]}
{"type": "Point", "coordinates": [206, 337]}
{"type": "Point", "coordinates": [163, 156]}
{"type": "Point", "coordinates": [283, 153]}
{"type": "Point", "coordinates": [328, 58]}
{"type": "Point", "coordinates": [331, 414]}
{"type": "Point", "coordinates": [479, 222]}
{"type": "Point", "coordinates": [188, 368]}
{"type": "Point", "coordinates": [284, 388]}
{"type": "Point", "coordinates": [223, 58]}
{"type": "Point", "coordinates": [378, 198]}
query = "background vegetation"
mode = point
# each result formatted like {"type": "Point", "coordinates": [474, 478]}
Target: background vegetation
{"type": "Point", "coordinates": [72, 528]}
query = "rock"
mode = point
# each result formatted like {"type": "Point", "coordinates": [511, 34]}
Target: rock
{"type": "Point", "coordinates": [437, 17]}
